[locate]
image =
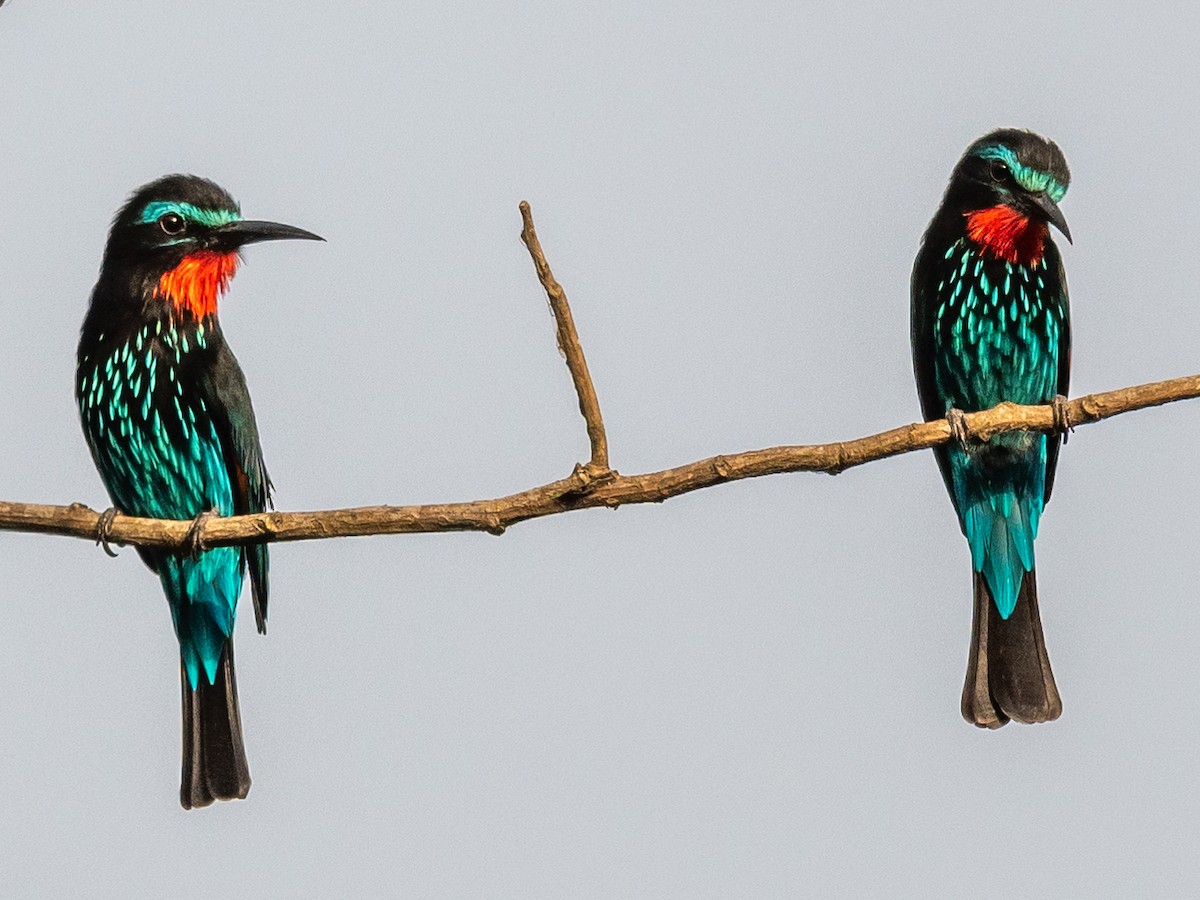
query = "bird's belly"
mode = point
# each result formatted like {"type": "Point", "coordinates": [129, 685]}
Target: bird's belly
{"type": "Point", "coordinates": [990, 361]}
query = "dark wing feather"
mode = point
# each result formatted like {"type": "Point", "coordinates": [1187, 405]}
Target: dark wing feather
{"type": "Point", "coordinates": [224, 388]}
{"type": "Point", "coordinates": [1054, 442]}
{"type": "Point", "coordinates": [922, 325]}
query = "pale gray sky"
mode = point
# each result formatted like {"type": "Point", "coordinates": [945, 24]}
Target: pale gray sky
{"type": "Point", "coordinates": [750, 691]}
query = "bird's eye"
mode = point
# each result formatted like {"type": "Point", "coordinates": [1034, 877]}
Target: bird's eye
{"type": "Point", "coordinates": [172, 223]}
{"type": "Point", "coordinates": [1000, 171]}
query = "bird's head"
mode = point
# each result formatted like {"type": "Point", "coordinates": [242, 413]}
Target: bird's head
{"type": "Point", "coordinates": [179, 238]}
{"type": "Point", "coordinates": [1008, 186]}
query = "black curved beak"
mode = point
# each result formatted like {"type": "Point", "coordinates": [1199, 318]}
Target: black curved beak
{"type": "Point", "coordinates": [1053, 214]}
{"type": "Point", "coordinates": [247, 231]}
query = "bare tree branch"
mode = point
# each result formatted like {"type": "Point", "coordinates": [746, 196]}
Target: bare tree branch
{"type": "Point", "coordinates": [588, 485]}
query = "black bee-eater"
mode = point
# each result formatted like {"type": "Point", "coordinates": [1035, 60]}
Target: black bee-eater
{"type": "Point", "coordinates": [168, 419]}
{"type": "Point", "coordinates": [990, 322]}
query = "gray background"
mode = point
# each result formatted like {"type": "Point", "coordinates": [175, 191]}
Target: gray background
{"type": "Point", "coordinates": [750, 691]}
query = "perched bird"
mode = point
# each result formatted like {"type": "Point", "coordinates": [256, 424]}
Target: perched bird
{"type": "Point", "coordinates": [990, 322]}
{"type": "Point", "coordinates": [168, 419]}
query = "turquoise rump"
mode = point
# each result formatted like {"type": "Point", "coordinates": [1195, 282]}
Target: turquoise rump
{"type": "Point", "coordinates": [991, 323]}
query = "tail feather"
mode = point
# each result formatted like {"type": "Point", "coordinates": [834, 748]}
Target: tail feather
{"type": "Point", "coordinates": [214, 755]}
{"type": "Point", "coordinates": [1008, 671]}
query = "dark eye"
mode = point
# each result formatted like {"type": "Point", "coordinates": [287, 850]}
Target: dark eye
{"type": "Point", "coordinates": [999, 171]}
{"type": "Point", "coordinates": [172, 223]}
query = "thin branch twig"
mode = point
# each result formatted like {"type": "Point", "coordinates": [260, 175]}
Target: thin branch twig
{"type": "Point", "coordinates": [568, 343]}
{"type": "Point", "coordinates": [587, 486]}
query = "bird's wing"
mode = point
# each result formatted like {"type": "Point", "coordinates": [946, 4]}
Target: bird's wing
{"type": "Point", "coordinates": [1054, 441]}
{"type": "Point", "coordinates": [922, 326]}
{"type": "Point", "coordinates": [223, 387]}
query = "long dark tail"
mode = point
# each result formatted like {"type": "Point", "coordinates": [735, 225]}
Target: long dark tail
{"type": "Point", "coordinates": [1008, 673]}
{"type": "Point", "coordinates": [214, 757]}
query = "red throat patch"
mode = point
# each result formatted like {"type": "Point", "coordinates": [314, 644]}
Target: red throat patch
{"type": "Point", "coordinates": [1007, 234]}
{"type": "Point", "coordinates": [198, 281]}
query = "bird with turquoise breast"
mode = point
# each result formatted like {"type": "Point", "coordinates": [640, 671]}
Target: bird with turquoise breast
{"type": "Point", "coordinates": [168, 419]}
{"type": "Point", "coordinates": [991, 323]}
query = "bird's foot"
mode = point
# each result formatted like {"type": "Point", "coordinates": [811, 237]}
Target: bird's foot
{"type": "Point", "coordinates": [194, 541]}
{"type": "Point", "coordinates": [957, 420]}
{"type": "Point", "coordinates": [104, 530]}
{"type": "Point", "coordinates": [1062, 416]}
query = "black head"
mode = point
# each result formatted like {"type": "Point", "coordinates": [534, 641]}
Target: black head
{"type": "Point", "coordinates": [178, 215]}
{"type": "Point", "coordinates": [1014, 168]}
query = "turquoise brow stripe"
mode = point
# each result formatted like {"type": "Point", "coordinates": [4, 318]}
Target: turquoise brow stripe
{"type": "Point", "coordinates": [213, 218]}
{"type": "Point", "coordinates": [1028, 178]}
